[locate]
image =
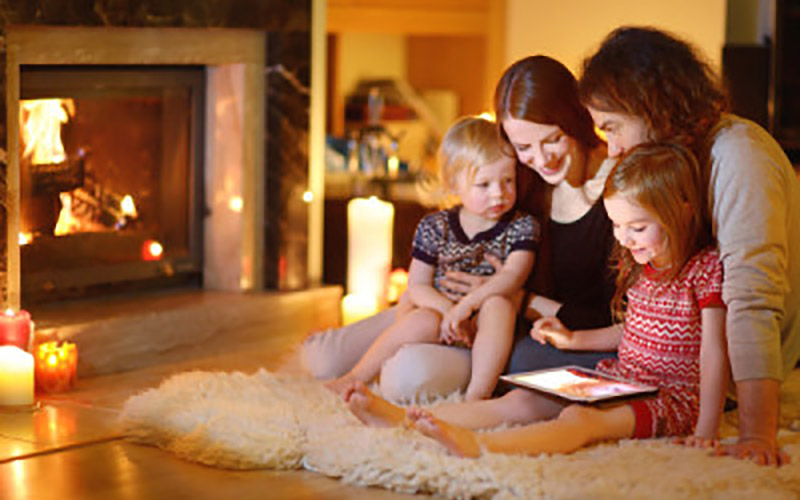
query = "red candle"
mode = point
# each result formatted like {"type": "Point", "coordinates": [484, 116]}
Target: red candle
{"type": "Point", "coordinates": [15, 328]}
{"type": "Point", "coordinates": [55, 366]}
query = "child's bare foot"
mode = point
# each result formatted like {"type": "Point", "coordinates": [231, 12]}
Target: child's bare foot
{"type": "Point", "coordinates": [371, 409]}
{"type": "Point", "coordinates": [340, 385]}
{"type": "Point", "coordinates": [458, 440]}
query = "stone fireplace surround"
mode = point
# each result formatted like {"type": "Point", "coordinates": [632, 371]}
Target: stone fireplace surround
{"type": "Point", "coordinates": [258, 56]}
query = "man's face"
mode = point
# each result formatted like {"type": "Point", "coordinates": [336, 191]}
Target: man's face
{"type": "Point", "coordinates": [623, 131]}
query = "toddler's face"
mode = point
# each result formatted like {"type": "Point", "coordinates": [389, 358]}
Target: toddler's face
{"type": "Point", "coordinates": [491, 192]}
{"type": "Point", "coordinates": [638, 230]}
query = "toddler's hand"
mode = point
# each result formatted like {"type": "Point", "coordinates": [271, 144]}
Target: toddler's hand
{"type": "Point", "coordinates": [551, 330]}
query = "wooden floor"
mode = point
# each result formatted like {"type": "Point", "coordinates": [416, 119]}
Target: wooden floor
{"type": "Point", "coordinates": [70, 448]}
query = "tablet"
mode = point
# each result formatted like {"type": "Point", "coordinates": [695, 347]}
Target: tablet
{"type": "Point", "coordinates": [579, 384]}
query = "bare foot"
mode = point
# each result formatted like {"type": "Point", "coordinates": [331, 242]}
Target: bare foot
{"type": "Point", "coordinates": [458, 440]}
{"type": "Point", "coordinates": [340, 385]}
{"type": "Point", "coordinates": [371, 409]}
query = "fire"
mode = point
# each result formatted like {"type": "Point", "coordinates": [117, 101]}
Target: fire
{"type": "Point", "coordinates": [41, 129]}
{"type": "Point", "coordinates": [128, 207]}
{"type": "Point", "coordinates": [66, 223]}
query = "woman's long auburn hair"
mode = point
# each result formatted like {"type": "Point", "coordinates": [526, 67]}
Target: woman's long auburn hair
{"type": "Point", "coordinates": [651, 74]}
{"type": "Point", "coordinates": [540, 89]}
{"type": "Point", "coordinates": [666, 180]}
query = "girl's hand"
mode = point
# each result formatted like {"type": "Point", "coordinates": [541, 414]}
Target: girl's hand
{"type": "Point", "coordinates": [462, 283]}
{"type": "Point", "coordinates": [696, 441]}
{"type": "Point", "coordinates": [552, 331]}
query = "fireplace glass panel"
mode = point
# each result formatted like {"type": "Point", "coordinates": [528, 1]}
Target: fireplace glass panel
{"type": "Point", "coordinates": [111, 178]}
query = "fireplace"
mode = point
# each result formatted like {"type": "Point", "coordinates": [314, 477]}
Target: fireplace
{"type": "Point", "coordinates": [169, 189]}
{"type": "Point", "coordinates": [110, 184]}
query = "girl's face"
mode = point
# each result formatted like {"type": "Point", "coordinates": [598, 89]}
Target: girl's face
{"type": "Point", "coordinates": [638, 230]}
{"type": "Point", "coordinates": [546, 149]}
{"type": "Point", "coordinates": [623, 131]}
{"type": "Point", "coordinates": [491, 192]}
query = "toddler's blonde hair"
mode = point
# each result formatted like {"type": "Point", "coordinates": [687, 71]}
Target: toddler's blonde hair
{"type": "Point", "coordinates": [469, 143]}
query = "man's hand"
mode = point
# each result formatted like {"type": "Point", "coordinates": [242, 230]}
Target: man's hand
{"type": "Point", "coordinates": [758, 423]}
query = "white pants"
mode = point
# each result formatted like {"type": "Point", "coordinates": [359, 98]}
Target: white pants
{"type": "Point", "coordinates": [416, 372]}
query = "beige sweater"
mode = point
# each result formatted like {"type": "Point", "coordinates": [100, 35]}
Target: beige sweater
{"type": "Point", "coordinates": [755, 201]}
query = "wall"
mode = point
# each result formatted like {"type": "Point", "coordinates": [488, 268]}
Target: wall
{"type": "Point", "coordinates": [570, 30]}
{"type": "Point", "coordinates": [370, 56]}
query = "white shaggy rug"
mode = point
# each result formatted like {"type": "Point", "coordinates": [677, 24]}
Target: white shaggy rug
{"type": "Point", "coordinates": [264, 420]}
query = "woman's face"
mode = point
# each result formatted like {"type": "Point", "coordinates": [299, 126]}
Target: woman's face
{"type": "Point", "coordinates": [544, 148]}
{"type": "Point", "coordinates": [623, 131]}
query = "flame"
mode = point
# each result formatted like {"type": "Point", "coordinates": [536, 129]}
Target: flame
{"type": "Point", "coordinates": [67, 223]}
{"type": "Point", "coordinates": [41, 129]}
{"type": "Point", "coordinates": [128, 207]}
{"type": "Point", "coordinates": [25, 238]}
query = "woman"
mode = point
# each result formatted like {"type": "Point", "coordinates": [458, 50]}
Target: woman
{"type": "Point", "coordinates": [539, 113]}
{"type": "Point", "coordinates": [646, 85]}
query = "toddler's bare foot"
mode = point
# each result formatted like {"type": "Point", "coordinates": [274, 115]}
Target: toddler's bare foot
{"type": "Point", "coordinates": [371, 409]}
{"type": "Point", "coordinates": [458, 440]}
{"type": "Point", "coordinates": [340, 385]}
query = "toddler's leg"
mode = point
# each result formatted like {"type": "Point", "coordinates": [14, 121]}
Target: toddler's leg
{"type": "Point", "coordinates": [492, 345]}
{"type": "Point", "coordinates": [419, 325]}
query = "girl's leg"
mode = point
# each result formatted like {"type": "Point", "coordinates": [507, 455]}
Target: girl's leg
{"type": "Point", "coordinates": [419, 325]}
{"type": "Point", "coordinates": [577, 426]}
{"type": "Point", "coordinates": [517, 407]}
{"type": "Point", "coordinates": [492, 345]}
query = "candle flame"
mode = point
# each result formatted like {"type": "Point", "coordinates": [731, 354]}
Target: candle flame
{"type": "Point", "coordinates": [236, 204]}
{"type": "Point", "coordinates": [25, 238]}
{"type": "Point", "coordinates": [41, 129]}
{"type": "Point", "coordinates": [9, 312]}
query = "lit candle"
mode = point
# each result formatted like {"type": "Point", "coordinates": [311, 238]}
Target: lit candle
{"type": "Point", "coordinates": [56, 366]}
{"type": "Point", "coordinates": [16, 376]}
{"type": "Point", "coordinates": [357, 307]}
{"type": "Point", "coordinates": [369, 247]}
{"type": "Point", "coordinates": [15, 329]}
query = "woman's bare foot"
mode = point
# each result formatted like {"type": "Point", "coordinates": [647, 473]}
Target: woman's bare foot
{"type": "Point", "coordinates": [458, 440]}
{"type": "Point", "coordinates": [371, 409]}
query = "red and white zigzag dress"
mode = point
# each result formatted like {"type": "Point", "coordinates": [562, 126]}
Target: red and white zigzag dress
{"type": "Point", "coordinates": [661, 343]}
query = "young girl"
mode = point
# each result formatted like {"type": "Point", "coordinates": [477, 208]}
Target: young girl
{"type": "Point", "coordinates": [479, 169]}
{"type": "Point", "coordinates": [672, 337]}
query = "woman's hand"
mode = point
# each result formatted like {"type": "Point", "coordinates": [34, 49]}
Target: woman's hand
{"type": "Point", "coordinates": [456, 284]}
{"type": "Point", "coordinates": [552, 331]}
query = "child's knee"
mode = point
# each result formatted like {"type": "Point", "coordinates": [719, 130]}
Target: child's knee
{"type": "Point", "coordinates": [498, 304]}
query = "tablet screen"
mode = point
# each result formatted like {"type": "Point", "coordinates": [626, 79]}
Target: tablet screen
{"type": "Point", "coordinates": [579, 384]}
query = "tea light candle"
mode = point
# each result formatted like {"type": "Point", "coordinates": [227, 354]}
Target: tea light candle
{"type": "Point", "coordinates": [15, 328]}
{"type": "Point", "coordinates": [16, 376]}
{"type": "Point", "coordinates": [369, 247]}
{"type": "Point", "coordinates": [56, 366]}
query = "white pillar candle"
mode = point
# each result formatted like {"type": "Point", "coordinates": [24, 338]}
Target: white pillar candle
{"type": "Point", "coordinates": [357, 307]}
{"type": "Point", "coordinates": [369, 247]}
{"type": "Point", "coordinates": [16, 376]}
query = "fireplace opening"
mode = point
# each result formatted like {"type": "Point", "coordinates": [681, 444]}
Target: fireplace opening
{"type": "Point", "coordinates": [111, 179]}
